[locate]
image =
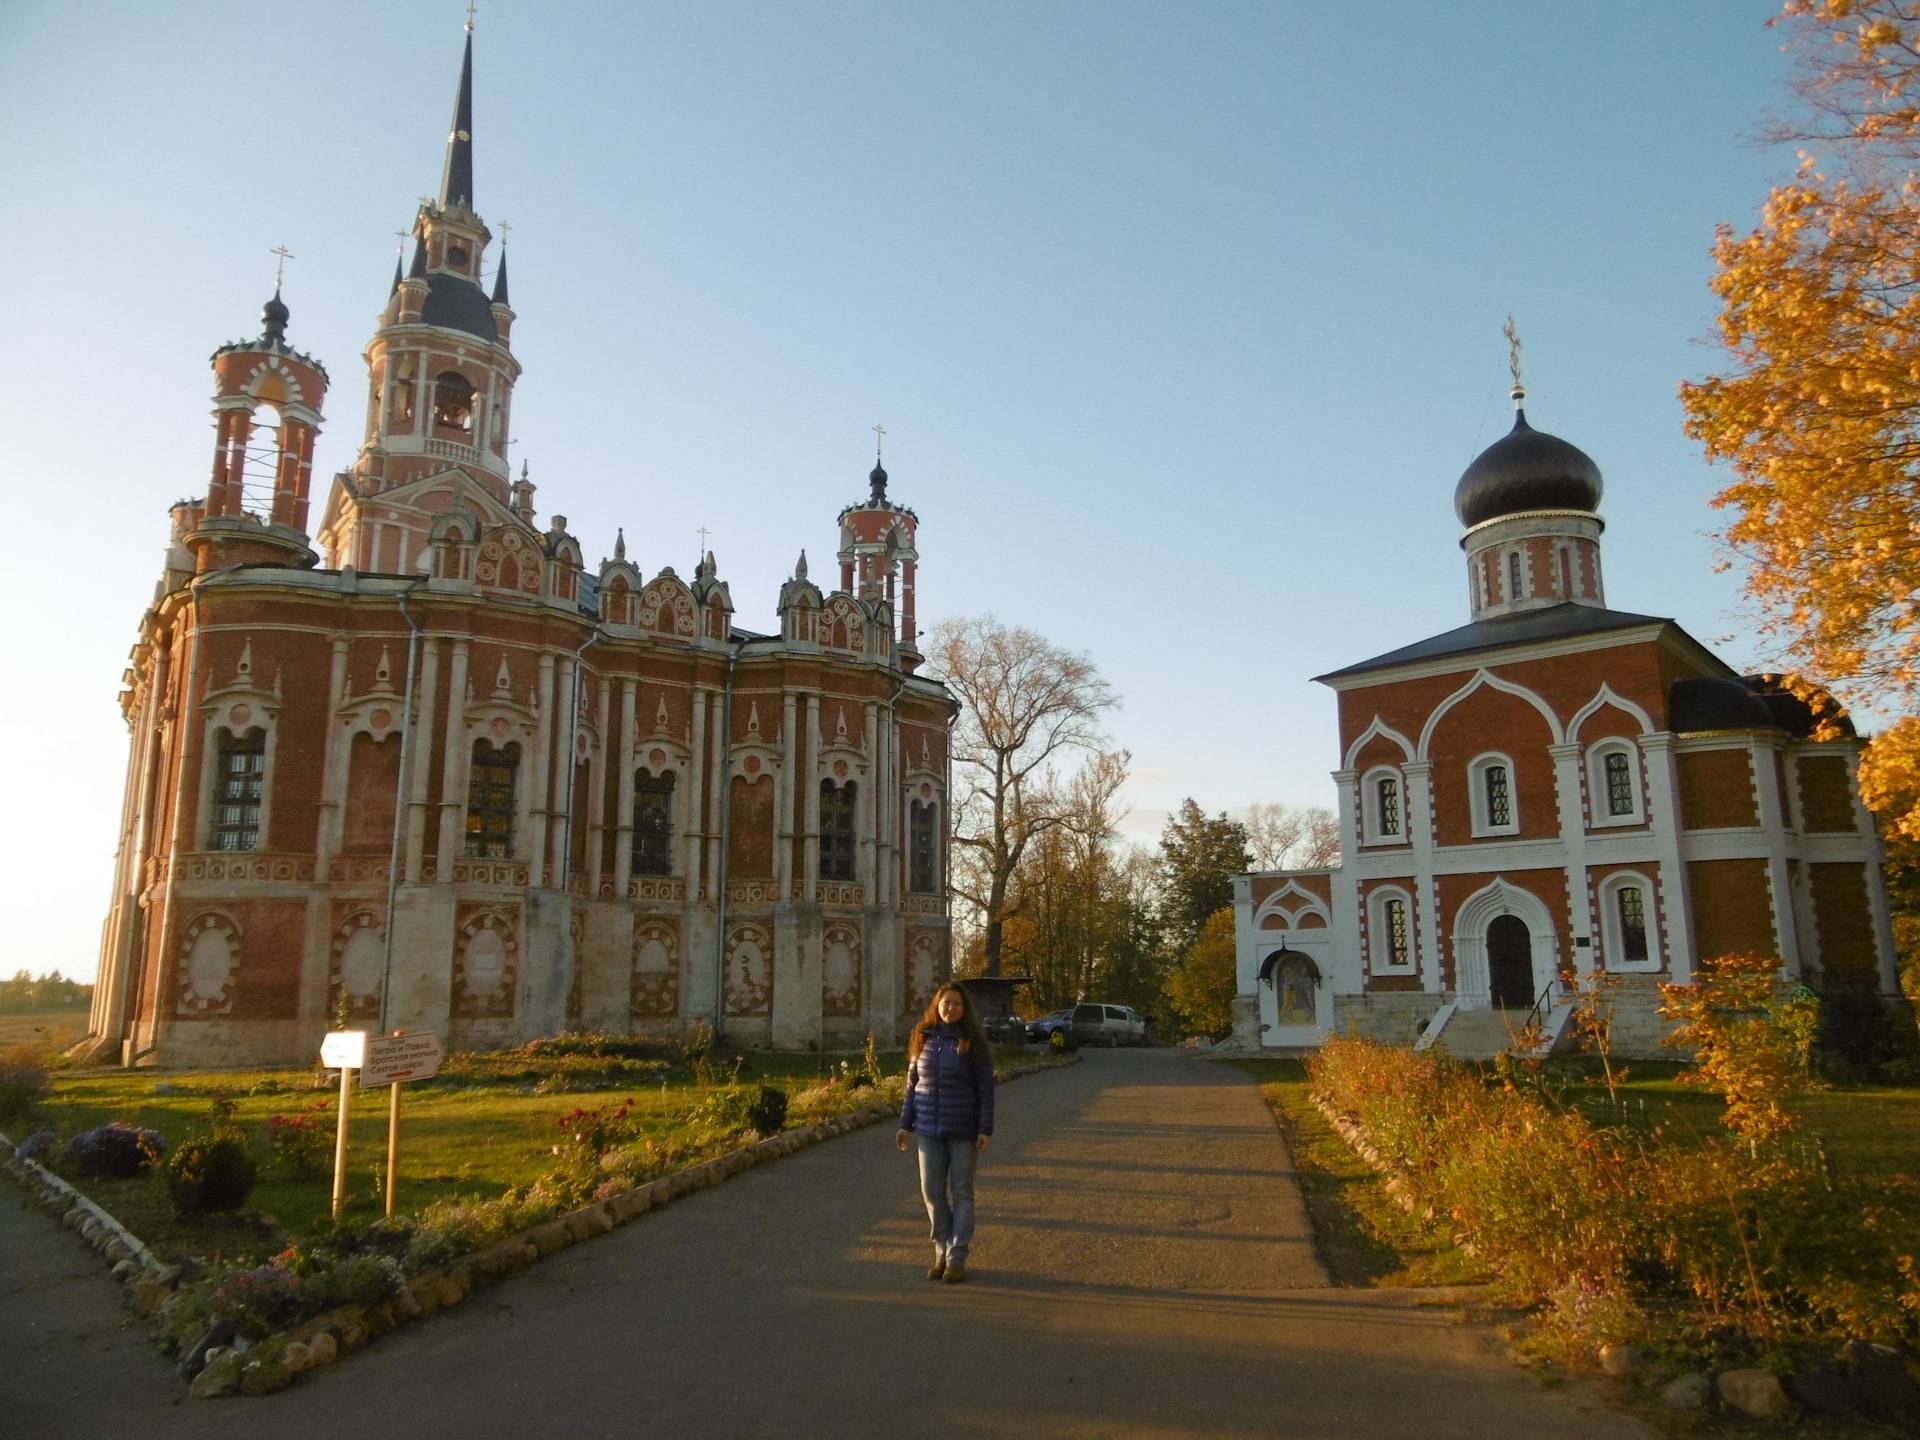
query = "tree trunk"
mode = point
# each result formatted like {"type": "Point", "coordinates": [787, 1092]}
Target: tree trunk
{"type": "Point", "coordinates": [993, 947]}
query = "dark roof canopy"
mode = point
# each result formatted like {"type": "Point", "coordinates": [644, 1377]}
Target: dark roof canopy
{"type": "Point", "coordinates": [1555, 622]}
{"type": "Point", "coordinates": [1526, 469]}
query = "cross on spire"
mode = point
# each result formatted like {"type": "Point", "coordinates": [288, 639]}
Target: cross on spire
{"type": "Point", "coordinates": [1513, 359]}
{"type": "Point", "coordinates": [703, 541]}
{"type": "Point", "coordinates": [505, 231]}
{"type": "Point", "coordinates": [280, 270]}
{"type": "Point", "coordinates": [470, 9]}
{"type": "Point", "coordinates": [879, 435]}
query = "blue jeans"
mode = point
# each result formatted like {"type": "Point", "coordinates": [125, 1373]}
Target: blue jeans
{"type": "Point", "coordinates": [947, 1165]}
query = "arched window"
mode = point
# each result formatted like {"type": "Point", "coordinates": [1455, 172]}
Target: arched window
{"type": "Point", "coordinates": [1494, 798]}
{"type": "Point", "coordinates": [1390, 930]}
{"type": "Point", "coordinates": [1613, 783]}
{"type": "Point", "coordinates": [922, 848]}
{"type": "Point", "coordinates": [1382, 808]}
{"type": "Point", "coordinates": [1513, 575]}
{"type": "Point", "coordinates": [237, 791]}
{"type": "Point", "coordinates": [1627, 931]}
{"type": "Point", "coordinates": [453, 402]}
{"type": "Point", "coordinates": [836, 830]}
{"type": "Point", "coordinates": [490, 800]}
{"type": "Point", "coordinates": [653, 823]}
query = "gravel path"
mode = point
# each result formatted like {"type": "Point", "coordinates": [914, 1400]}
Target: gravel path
{"type": "Point", "coordinates": [1143, 1269]}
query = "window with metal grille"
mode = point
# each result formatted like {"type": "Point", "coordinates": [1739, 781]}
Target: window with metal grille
{"type": "Point", "coordinates": [1499, 797]}
{"type": "Point", "coordinates": [920, 849]}
{"type": "Point", "coordinates": [653, 823]}
{"type": "Point", "coordinates": [836, 831]}
{"type": "Point", "coordinates": [490, 800]}
{"type": "Point", "coordinates": [1399, 945]}
{"type": "Point", "coordinates": [1633, 922]}
{"type": "Point", "coordinates": [236, 799]}
{"type": "Point", "coordinates": [1513, 576]}
{"type": "Point", "coordinates": [1619, 784]}
{"type": "Point", "coordinates": [1387, 805]}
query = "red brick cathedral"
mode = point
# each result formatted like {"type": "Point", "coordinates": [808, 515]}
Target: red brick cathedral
{"type": "Point", "coordinates": [1557, 788]}
{"type": "Point", "coordinates": [453, 779]}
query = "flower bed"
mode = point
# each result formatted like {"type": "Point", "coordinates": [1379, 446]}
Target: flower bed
{"type": "Point", "coordinates": [248, 1328]}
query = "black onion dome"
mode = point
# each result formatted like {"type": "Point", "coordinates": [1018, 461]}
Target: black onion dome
{"type": "Point", "coordinates": [273, 319]}
{"type": "Point", "coordinates": [456, 303]}
{"type": "Point", "coordinates": [878, 480]}
{"type": "Point", "coordinates": [1526, 469]}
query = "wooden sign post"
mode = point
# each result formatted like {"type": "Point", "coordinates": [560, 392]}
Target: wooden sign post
{"type": "Point", "coordinates": [347, 1050]}
{"type": "Point", "coordinates": [392, 1060]}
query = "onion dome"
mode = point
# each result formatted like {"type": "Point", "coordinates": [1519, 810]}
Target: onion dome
{"type": "Point", "coordinates": [273, 319]}
{"type": "Point", "coordinates": [1526, 469]}
{"type": "Point", "coordinates": [878, 480]}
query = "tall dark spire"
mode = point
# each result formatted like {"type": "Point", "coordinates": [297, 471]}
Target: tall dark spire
{"type": "Point", "coordinates": [456, 181]}
{"type": "Point", "coordinates": [419, 266]}
{"type": "Point", "coordinates": [500, 279]}
{"type": "Point", "coordinates": [396, 277]}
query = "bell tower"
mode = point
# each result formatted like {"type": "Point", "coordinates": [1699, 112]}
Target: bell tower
{"type": "Point", "coordinates": [440, 378]}
{"type": "Point", "coordinates": [878, 558]}
{"type": "Point", "coordinates": [267, 400]}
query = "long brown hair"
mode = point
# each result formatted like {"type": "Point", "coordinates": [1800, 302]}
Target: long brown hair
{"type": "Point", "coordinates": [972, 1032]}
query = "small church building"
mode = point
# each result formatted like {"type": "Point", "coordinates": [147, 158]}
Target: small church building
{"type": "Point", "coordinates": [1552, 789]}
{"type": "Point", "coordinates": [412, 759]}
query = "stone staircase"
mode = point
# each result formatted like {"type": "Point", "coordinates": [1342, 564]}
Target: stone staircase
{"type": "Point", "coordinates": [1483, 1034]}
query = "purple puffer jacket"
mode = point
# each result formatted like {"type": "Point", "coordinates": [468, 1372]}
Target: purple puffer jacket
{"type": "Point", "coordinates": [949, 1095]}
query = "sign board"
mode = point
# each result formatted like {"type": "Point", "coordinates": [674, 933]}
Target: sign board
{"type": "Point", "coordinates": [343, 1049]}
{"type": "Point", "coordinates": [391, 1059]}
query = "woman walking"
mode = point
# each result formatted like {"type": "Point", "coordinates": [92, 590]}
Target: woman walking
{"type": "Point", "coordinates": [949, 1113]}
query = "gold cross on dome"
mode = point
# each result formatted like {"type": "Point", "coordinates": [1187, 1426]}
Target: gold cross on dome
{"type": "Point", "coordinates": [879, 435]}
{"type": "Point", "coordinates": [404, 235]}
{"type": "Point", "coordinates": [703, 542]}
{"type": "Point", "coordinates": [1513, 350]}
{"type": "Point", "coordinates": [505, 231]}
{"type": "Point", "coordinates": [280, 270]}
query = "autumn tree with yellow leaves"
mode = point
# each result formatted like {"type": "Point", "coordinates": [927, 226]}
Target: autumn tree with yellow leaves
{"type": "Point", "coordinates": [1818, 415]}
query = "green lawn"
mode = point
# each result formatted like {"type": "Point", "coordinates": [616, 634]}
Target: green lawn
{"type": "Point", "coordinates": [1362, 1234]}
{"type": "Point", "coordinates": [475, 1130]}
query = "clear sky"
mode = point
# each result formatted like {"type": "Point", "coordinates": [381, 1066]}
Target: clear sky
{"type": "Point", "coordinates": [1183, 319]}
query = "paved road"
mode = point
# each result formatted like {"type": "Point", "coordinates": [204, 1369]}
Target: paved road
{"type": "Point", "coordinates": [1142, 1270]}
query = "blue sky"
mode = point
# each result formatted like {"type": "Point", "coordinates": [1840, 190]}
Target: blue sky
{"type": "Point", "coordinates": [1182, 319]}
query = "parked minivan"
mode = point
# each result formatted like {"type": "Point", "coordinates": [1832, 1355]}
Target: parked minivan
{"type": "Point", "coordinates": [1108, 1025]}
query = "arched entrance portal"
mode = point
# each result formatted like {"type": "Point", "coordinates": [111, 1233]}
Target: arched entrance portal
{"type": "Point", "coordinates": [1510, 962]}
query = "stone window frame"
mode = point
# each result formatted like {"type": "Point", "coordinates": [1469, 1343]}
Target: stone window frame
{"type": "Point", "coordinates": [1379, 928]}
{"type": "Point", "coordinates": [837, 864]}
{"type": "Point", "coordinates": [1599, 791]}
{"type": "Point", "coordinates": [264, 717]}
{"type": "Point", "coordinates": [514, 796]}
{"type": "Point", "coordinates": [923, 844]}
{"type": "Point", "coordinates": [670, 775]}
{"type": "Point", "coordinates": [1478, 800]}
{"type": "Point", "coordinates": [1612, 937]}
{"type": "Point", "coordinates": [1370, 830]}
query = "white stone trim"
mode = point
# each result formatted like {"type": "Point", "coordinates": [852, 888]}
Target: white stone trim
{"type": "Point", "coordinates": [1379, 946]}
{"type": "Point", "coordinates": [1481, 821]}
{"type": "Point", "coordinates": [1613, 942]}
{"type": "Point", "coordinates": [1486, 677]}
{"type": "Point", "coordinates": [1377, 727]}
{"type": "Point", "coordinates": [1370, 832]}
{"type": "Point", "coordinates": [1472, 981]}
{"type": "Point", "coordinates": [1600, 793]}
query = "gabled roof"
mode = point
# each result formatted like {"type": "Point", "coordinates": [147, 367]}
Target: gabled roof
{"type": "Point", "coordinates": [1556, 622]}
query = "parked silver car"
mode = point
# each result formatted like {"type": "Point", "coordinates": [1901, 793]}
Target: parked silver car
{"type": "Point", "coordinates": [1108, 1025]}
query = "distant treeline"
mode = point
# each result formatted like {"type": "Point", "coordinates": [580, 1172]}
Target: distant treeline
{"type": "Point", "coordinates": [49, 992]}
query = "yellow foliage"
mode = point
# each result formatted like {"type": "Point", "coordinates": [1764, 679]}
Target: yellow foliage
{"type": "Point", "coordinates": [1202, 986]}
{"type": "Point", "coordinates": [1750, 1032]}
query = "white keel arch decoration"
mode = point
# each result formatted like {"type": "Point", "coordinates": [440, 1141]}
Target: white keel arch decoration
{"type": "Point", "coordinates": [1473, 982]}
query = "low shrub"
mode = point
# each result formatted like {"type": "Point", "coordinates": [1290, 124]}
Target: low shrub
{"type": "Point", "coordinates": [36, 1145]}
{"type": "Point", "coordinates": [448, 1229]}
{"type": "Point", "coordinates": [23, 1081]}
{"type": "Point", "coordinates": [303, 1142]}
{"type": "Point", "coordinates": [366, 1279]}
{"type": "Point", "coordinates": [114, 1152]}
{"type": "Point", "coordinates": [1866, 1037]}
{"type": "Point", "coordinates": [767, 1110]}
{"type": "Point", "coordinates": [260, 1300]}
{"type": "Point", "coordinates": [1623, 1236]}
{"type": "Point", "coordinates": [211, 1172]}
{"type": "Point", "coordinates": [596, 1045]}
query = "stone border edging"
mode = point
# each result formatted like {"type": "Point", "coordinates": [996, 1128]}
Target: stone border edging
{"type": "Point", "coordinates": [133, 1263]}
{"type": "Point", "coordinates": [326, 1337]}
{"type": "Point", "coordinates": [1350, 1132]}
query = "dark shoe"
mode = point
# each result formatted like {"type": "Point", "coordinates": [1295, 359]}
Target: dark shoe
{"type": "Point", "coordinates": [955, 1274]}
{"type": "Point", "coordinates": [939, 1269]}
